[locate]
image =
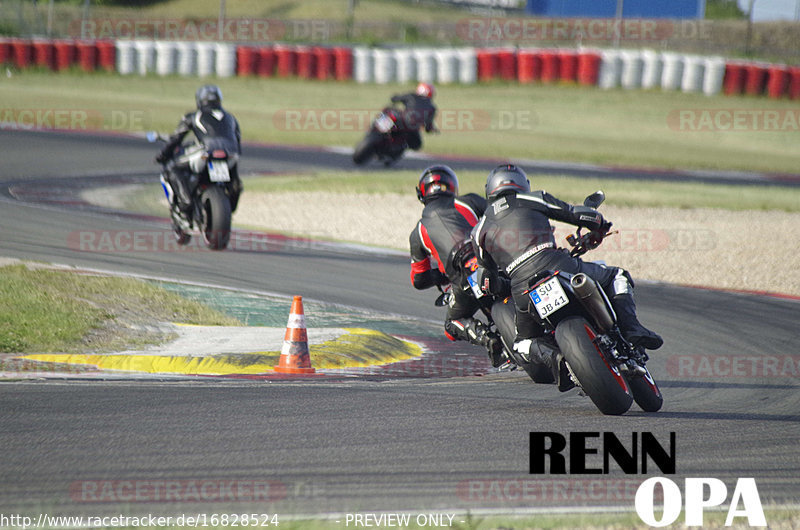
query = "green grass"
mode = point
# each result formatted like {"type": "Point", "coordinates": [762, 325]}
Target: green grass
{"type": "Point", "coordinates": [335, 10]}
{"type": "Point", "coordinates": [631, 128]}
{"type": "Point", "coordinates": [53, 311]}
{"type": "Point", "coordinates": [619, 192]}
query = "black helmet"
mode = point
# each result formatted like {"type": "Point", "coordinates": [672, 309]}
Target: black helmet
{"type": "Point", "coordinates": [437, 180]}
{"type": "Point", "coordinates": [505, 179]}
{"type": "Point", "coordinates": [208, 96]}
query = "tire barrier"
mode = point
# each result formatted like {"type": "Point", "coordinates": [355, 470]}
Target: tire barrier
{"type": "Point", "coordinates": [714, 75]}
{"type": "Point", "coordinates": [632, 70]}
{"type": "Point", "coordinates": [652, 69]}
{"type": "Point", "coordinates": [610, 69]}
{"type": "Point", "coordinates": [607, 69]}
{"type": "Point", "coordinates": [694, 70]}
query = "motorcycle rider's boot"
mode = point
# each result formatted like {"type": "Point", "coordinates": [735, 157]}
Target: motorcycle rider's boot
{"type": "Point", "coordinates": [476, 332]}
{"type": "Point", "coordinates": [235, 191]}
{"type": "Point", "coordinates": [629, 324]}
{"type": "Point", "coordinates": [544, 350]}
{"type": "Point", "coordinates": [182, 202]}
{"type": "Point", "coordinates": [563, 378]}
{"type": "Point", "coordinates": [553, 358]}
{"type": "Point", "coordinates": [491, 341]}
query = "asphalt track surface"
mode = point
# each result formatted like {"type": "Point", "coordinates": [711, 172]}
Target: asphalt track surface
{"type": "Point", "coordinates": [343, 444]}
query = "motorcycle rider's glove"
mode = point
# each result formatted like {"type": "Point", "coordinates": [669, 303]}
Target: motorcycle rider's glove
{"type": "Point", "coordinates": [595, 237]}
{"type": "Point", "coordinates": [493, 284]}
{"type": "Point", "coordinates": [588, 217]}
{"type": "Point", "coordinates": [162, 157]}
{"type": "Point", "coordinates": [439, 278]}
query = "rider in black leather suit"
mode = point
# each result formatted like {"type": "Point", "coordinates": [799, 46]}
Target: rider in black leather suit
{"type": "Point", "coordinates": [419, 113]}
{"type": "Point", "coordinates": [443, 234]}
{"type": "Point", "coordinates": [515, 236]}
{"type": "Point", "coordinates": [214, 128]}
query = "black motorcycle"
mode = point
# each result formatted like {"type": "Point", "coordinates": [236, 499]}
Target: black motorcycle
{"type": "Point", "coordinates": [386, 139]}
{"type": "Point", "coordinates": [581, 330]}
{"type": "Point", "coordinates": [210, 189]}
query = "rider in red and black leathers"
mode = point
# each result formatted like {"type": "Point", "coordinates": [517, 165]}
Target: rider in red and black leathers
{"type": "Point", "coordinates": [443, 234]}
{"type": "Point", "coordinates": [214, 128]}
{"type": "Point", "coordinates": [515, 236]}
{"type": "Point", "coordinates": [419, 113]}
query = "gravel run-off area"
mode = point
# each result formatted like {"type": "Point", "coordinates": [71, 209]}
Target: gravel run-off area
{"type": "Point", "coordinates": [742, 250]}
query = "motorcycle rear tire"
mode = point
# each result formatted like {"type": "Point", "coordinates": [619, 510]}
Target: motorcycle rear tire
{"type": "Point", "coordinates": [216, 221]}
{"type": "Point", "coordinates": [599, 379]}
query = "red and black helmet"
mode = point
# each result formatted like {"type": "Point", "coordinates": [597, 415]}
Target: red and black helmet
{"type": "Point", "coordinates": [425, 90]}
{"type": "Point", "coordinates": [435, 181]}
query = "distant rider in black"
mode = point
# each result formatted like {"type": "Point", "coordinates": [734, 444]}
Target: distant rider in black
{"type": "Point", "coordinates": [214, 128]}
{"type": "Point", "coordinates": [443, 234]}
{"type": "Point", "coordinates": [516, 237]}
{"type": "Point", "coordinates": [419, 113]}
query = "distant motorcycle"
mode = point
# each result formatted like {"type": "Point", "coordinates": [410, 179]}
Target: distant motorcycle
{"type": "Point", "coordinates": [209, 187]}
{"type": "Point", "coordinates": [581, 326]}
{"type": "Point", "coordinates": [385, 140]}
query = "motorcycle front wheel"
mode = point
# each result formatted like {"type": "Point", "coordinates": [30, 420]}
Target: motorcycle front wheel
{"type": "Point", "coordinates": [646, 392]}
{"type": "Point", "coordinates": [216, 222]}
{"type": "Point", "coordinates": [365, 150]}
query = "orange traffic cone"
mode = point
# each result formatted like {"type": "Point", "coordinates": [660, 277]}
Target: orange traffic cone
{"type": "Point", "coordinates": [294, 354]}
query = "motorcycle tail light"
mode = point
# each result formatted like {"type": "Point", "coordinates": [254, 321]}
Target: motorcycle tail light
{"type": "Point", "coordinates": [219, 153]}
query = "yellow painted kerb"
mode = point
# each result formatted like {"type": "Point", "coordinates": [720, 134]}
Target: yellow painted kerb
{"type": "Point", "coordinates": [358, 347]}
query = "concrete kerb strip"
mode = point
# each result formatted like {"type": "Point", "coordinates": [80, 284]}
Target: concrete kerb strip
{"type": "Point", "coordinates": [234, 350]}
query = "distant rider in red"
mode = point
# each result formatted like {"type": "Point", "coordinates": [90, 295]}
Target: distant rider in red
{"type": "Point", "coordinates": [419, 113]}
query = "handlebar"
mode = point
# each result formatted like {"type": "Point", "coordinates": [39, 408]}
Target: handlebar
{"type": "Point", "coordinates": [583, 243]}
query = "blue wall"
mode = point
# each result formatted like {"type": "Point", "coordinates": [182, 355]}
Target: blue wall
{"type": "Point", "coordinates": [608, 8]}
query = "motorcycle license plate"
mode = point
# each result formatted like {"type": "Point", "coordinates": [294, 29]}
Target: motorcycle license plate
{"type": "Point", "coordinates": [473, 283]}
{"type": "Point", "coordinates": [549, 297]}
{"type": "Point", "coordinates": [384, 123]}
{"type": "Point", "coordinates": [218, 171]}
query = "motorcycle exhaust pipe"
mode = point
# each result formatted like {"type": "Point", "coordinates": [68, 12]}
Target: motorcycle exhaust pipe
{"type": "Point", "coordinates": [593, 300]}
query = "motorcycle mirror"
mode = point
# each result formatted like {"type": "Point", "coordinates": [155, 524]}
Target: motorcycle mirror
{"type": "Point", "coordinates": [442, 300]}
{"type": "Point", "coordinates": [595, 199]}
{"type": "Point", "coordinates": [151, 136]}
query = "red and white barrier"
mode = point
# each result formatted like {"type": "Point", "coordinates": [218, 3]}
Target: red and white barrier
{"type": "Point", "coordinates": [608, 69]}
